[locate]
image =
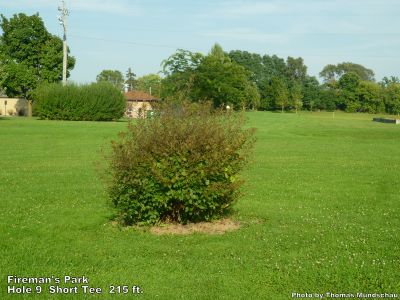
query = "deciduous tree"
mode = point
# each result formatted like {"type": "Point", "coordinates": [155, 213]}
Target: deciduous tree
{"type": "Point", "coordinates": [386, 81]}
{"type": "Point", "coordinates": [179, 71]}
{"type": "Point", "coordinates": [30, 55]}
{"type": "Point", "coordinates": [370, 95]}
{"type": "Point", "coordinates": [296, 96]}
{"type": "Point", "coordinates": [348, 84]}
{"type": "Point", "coordinates": [279, 92]}
{"type": "Point", "coordinates": [114, 77]}
{"type": "Point", "coordinates": [224, 82]}
{"type": "Point", "coordinates": [311, 93]}
{"type": "Point", "coordinates": [334, 72]}
{"type": "Point", "coordinates": [296, 70]}
{"type": "Point", "coordinates": [150, 83]}
{"type": "Point", "coordinates": [392, 98]}
{"type": "Point", "coordinates": [252, 62]}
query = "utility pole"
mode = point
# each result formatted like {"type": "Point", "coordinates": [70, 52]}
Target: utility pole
{"type": "Point", "coordinates": [63, 21]}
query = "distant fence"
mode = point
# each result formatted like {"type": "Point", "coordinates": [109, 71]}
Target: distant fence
{"type": "Point", "coordinates": [383, 120]}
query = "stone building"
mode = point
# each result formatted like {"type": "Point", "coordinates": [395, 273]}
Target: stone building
{"type": "Point", "coordinates": [138, 103]}
{"type": "Point", "coordinates": [14, 106]}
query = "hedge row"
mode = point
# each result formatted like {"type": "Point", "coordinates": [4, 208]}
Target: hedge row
{"type": "Point", "coordinates": [93, 102]}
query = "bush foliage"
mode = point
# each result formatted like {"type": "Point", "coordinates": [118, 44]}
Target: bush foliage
{"type": "Point", "coordinates": [93, 102]}
{"type": "Point", "coordinates": [180, 166]}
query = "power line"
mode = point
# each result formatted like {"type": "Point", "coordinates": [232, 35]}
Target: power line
{"type": "Point", "coordinates": [163, 30]}
{"type": "Point", "coordinates": [125, 42]}
{"type": "Point", "coordinates": [180, 47]}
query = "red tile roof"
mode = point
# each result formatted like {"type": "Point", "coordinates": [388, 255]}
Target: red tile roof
{"type": "Point", "coordinates": [139, 96]}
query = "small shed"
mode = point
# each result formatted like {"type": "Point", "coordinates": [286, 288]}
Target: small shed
{"type": "Point", "coordinates": [14, 106]}
{"type": "Point", "coordinates": [138, 103]}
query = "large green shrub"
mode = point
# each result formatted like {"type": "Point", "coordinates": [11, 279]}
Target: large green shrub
{"type": "Point", "coordinates": [180, 166]}
{"type": "Point", "coordinates": [93, 102]}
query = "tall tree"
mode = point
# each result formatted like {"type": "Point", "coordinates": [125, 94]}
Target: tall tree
{"type": "Point", "coordinates": [311, 93]}
{"type": "Point", "coordinates": [224, 82]}
{"type": "Point", "coordinates": [279, 92]}
{"type": "Point", "coordinates": [392, 98]}
{"type": "Point", "coordinates": [2, 75]}
{"type": "Point", "coordinates": [296, 70]}
{"type": "Point", "coordinates": [51, 60]}
{"type": "Point", "coordinates": [296, 96]}
{"type": "Point", "coordinates": [296, 75]}
{"type": "Point", "coordinates": [329, 73]}
{"type": "Point", "coordinates": [114, 77]}
{"type": "Point", "coordinates": [349, 84]}
{"type": "Point", "coordinates": [150, 83]}
{"type": "Point", "coordinates": [334, 72]}
{"type": "Point", "coordinates": [370, 95]}
{"type": "Point", "coordinates": [252, 62]}
{"type": "Point", "coordinates": [30, 54]}
{"type": "Point", "coordinates": [261, 68]}
{"type": "Point", "coordinates": [179, 71]}
{"type": "Point", "coordinates": [19, 80]}
{"type": "Point", "coordinates": [181, 61]}
{"type": "Point", "coordinates": [329, 99]}
{"type": "Point", "coordinates": [264, 68]}
{"type": "Point", "coordinates": [130, 80]}
{"type": "Point", "coordinates": [386, 81]}
{"type": "Point", "coordinates": [274, 66]}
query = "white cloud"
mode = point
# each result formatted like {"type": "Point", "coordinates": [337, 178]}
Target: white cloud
{"type": "Point", "coordinates": [118, 7]}
{"type": "Point", "coordinates": [247, 9]}
{"type": "Point", "coordinates": [238, 9]}
{"type": "Point", "coordinates": [258, 8]}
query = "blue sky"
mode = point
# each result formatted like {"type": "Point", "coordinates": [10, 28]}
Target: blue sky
{"type": "Point", "coordinates": [118, 34]}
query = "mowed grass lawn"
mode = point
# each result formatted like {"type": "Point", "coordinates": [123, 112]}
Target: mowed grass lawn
{"type": "Point", "coordinates": [320, 213]}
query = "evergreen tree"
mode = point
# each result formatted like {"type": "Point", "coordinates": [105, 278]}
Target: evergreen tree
{"type": "Point", "coordinates": [130, 80]}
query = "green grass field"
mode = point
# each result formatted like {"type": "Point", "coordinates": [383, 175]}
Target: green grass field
{"type": "Point", "coordinates": [320, 213]}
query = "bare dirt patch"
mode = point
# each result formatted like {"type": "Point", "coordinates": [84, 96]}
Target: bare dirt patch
{"type": "Point", "coordinates": [216, 227]}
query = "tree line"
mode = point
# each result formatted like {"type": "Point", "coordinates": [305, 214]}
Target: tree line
{"type": "Point", "coordinates": [253, 81]}
{"type": "Point", "coordinates": [31, 56]}
{"type": "Point", "coordinates": [150, 83]}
